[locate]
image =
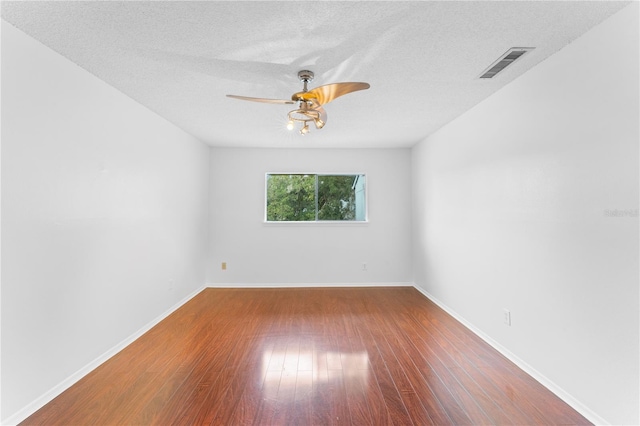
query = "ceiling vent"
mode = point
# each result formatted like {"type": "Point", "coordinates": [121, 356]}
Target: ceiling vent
{"type": "Point", "coordinates": [504, 61]}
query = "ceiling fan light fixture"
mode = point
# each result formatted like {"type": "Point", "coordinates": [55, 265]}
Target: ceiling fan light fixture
{"type": "Point", "coordinates": [304, 116]}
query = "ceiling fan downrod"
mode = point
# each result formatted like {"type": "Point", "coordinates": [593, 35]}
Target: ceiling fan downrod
{"type": "Point", "coordinates": [305, 77]}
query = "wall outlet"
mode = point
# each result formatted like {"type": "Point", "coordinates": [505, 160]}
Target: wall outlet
{"type": "Point", "coordinates": [506, 317]}
{"type": "Point", "coordinates": [170, 285]}
{"type": "Point", "coordinates": [364, 266]}
{"type": "Point", "coordinates": [224, 266]}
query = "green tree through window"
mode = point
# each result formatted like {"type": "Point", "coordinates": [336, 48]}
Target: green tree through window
{"type": "Point", "coordinates": [309, 197]}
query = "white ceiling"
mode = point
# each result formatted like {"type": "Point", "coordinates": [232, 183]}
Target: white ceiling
{"type": "Point", "coordinates": [422, 59]}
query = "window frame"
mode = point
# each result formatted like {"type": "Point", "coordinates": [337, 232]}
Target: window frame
{"type": "Point", "coordinates": [318, 222]}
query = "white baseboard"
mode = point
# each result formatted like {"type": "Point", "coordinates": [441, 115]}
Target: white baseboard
{"type": "Point", "coordinates": [557, 390]}
{"type": "Point", "coordinates": [307, 285]}
{"type": "Point", "coordinates": [71, 380]}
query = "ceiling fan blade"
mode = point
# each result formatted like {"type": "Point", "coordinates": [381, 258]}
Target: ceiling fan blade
{"type": "Point", "coordinates": [267, 101]}
{"type": "Point", "coordinates": [325, 94]}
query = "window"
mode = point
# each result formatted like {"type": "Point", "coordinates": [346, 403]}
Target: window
{"type": "Point", "coordinates": [315, 198]}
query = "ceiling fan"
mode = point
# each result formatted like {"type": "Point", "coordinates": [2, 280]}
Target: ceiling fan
{"type": "Point", "coordinates": [310, 102]}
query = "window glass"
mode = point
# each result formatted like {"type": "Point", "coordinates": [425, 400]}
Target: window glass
{"type": "Point", "coordinates": [312, 197]}
{"type": "Point", "coordinates": [291, 198]}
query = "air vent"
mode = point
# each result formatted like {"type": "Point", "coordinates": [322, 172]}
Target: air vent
{"type": "Point", "coordinates": [504, 61]}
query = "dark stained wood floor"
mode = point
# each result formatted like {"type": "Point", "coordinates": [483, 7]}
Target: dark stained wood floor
{"type": "Point", "coordinates": [360, 356]}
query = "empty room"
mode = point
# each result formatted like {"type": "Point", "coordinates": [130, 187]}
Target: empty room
{"type": "Point", "coordinates": [314, 213]}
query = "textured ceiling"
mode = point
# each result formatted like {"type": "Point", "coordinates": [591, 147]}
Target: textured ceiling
{"type": "Point", "coordinates": [421, 58]}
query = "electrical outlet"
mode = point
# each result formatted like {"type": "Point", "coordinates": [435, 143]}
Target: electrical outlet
{"type": "Point", "coordinates": [506, 317]}
{"type": "Point", "coordinates": [224, 266]}
{"type": "Point", "coordinates": [170, 285]}
{"type": "Point", "coordinates": [364, 266]}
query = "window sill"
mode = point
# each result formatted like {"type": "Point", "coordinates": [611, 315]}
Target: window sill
{"type": "Point", "coordinates": [321, 223]}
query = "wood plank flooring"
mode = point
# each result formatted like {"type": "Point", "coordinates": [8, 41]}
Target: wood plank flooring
{"type": "Point", "coordinates": [321, 356]}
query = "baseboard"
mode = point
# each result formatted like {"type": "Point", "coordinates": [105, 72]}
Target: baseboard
{"type": "Point", "coordinates": [74, 378]}
{"type": "Point", "coordinates": [549, 384]}
{"type": "Point", "coordinates": [307, 285]}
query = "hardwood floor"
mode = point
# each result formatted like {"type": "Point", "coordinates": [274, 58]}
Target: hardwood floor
{"type": "Point", "coordinates": [320, 356]}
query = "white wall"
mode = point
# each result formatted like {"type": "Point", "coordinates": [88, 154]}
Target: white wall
{"type": "Point", "coordinates": [103, 203]}
{"type": "Point", "coordinates": [511, 206]}
{"type": "Point", "coordinates": [305, 254]}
